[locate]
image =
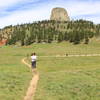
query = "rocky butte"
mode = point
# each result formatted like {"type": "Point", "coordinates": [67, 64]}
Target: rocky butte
{"type": "Point", "coordinates": [59, 14]}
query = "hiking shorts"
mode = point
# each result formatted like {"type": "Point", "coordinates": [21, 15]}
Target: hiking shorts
{"type": "Point", "coordinates": [33, 64]}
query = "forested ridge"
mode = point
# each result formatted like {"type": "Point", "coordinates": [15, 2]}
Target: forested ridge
{"type": "Point", "coordinates": [48, 31]}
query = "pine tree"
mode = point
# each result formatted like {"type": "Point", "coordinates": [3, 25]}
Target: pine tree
{"type": "Point", "coordinates": [86, 40]}
{"type": "Point", "coordinates": [66, 36]}
{"type": "Point", "coordinates": [76, 38]}
{"type": "Point", "coordinates": [60, 37]}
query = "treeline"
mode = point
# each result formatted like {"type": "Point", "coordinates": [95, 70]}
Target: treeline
{"type": "Point", "coordinates": [53, 31]}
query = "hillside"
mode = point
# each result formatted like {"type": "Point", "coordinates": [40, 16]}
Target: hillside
{"type": "Point", "coordinates": [50, 31]}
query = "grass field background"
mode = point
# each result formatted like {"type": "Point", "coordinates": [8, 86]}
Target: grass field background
{"type": "Point", "coordinates": [69, 78]}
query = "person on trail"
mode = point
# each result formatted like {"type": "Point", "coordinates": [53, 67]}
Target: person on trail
{"type": "Point", "coordinates": [66, 54]}
{"type": "Point", "coordinates": [33, 59]}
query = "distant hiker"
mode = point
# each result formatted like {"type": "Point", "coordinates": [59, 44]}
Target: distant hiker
{"type": "Point", "coordinates": [33, 59]}
{"type": "Point", "coordinates": [66, 54]}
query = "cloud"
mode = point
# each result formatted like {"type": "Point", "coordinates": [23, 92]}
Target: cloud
{"type": "Point", "coordinates": [82, 9]}
{"type": "Point", "coordinates": [24, 11]}
{"type": "Point", "coordinates": [25, 16]}
{"type": "Point", "coordinates": [79, 8]}
{"type": "Point", "coordinates": [88, 10]}
{"type": "Point", "coordinates": [7, 8]}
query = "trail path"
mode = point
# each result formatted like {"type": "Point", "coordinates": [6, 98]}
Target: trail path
{"type": "Point", "coordinates": [81, 55]}
{"type": "Point", "coordinates": [33, 83]}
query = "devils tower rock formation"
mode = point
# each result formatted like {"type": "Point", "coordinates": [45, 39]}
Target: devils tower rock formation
{"type": "Point", "coordinates": [59, 14]}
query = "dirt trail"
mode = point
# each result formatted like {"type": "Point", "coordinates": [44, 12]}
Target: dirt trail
{"type": "Point", "coordinates": [81, 55]}
{"type": "Point", "coordinates": [33, 83]}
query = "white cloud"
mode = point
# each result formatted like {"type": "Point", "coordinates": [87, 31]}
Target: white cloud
{"type": "Point", "coordinates": [4, 3]}
{"type": "Point", "coordinates": [83, 8]}
{"type": "Point", "coordinates": [76, 9]}
{"type": "Point", "coordinates": [25, 17]}
{"type": "Point", "coordinates": [89, 10]}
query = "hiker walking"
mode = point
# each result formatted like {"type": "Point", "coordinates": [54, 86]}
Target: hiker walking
{"type": "Point", "coordinates": [33, 59]}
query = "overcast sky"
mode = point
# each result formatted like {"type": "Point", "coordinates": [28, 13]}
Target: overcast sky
{"type": "Point", "coordinates": [14, 12]}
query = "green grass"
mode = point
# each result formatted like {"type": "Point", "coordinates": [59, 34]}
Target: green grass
{"type": "Point", "coordinates": [69, 78]}
{"type": "Point", "coordinates": [72, 63]}
{"type": "Point", "coordinates": [14, 76]}
{"type": "Point", "coordinates": [73, 85]}
{"type": "Point", "coordinates": [75, 78]}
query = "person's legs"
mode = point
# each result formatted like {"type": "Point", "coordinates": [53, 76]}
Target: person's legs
{"type": "Point", "coordinates": [34, 67]}
{"type": "Point", "coordinates": [34, 64]}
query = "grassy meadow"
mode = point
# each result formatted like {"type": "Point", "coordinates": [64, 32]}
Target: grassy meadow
{"type": "Point", "coordinates": [68, 78]}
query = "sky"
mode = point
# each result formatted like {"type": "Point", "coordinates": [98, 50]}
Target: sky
{"type": "Point", "coordinates": [13, 12]}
